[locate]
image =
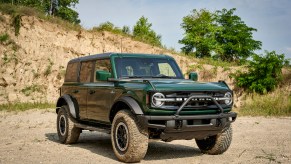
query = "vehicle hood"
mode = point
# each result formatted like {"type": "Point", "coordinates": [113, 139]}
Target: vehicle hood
{"type": "Point", "coordinates": [187, 85]}
{"type": "Point", "coordinates": [182, 85]}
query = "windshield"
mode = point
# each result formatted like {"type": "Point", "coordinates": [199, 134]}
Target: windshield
{"type": "Point", "coordinates": [132, 67]}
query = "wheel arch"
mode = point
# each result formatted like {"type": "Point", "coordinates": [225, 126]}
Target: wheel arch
{"type": "Point", "coordinates": [125, 102]}
{"type": "Point", "coordinates": [68, 100]}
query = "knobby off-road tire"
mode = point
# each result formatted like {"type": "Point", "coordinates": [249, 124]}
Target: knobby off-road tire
{"type": "Point", "coordinates": [67, 132]}
{"type": "Point", "coordinates": [129, 139]}
{"type": "Point", "coordinates": [217, 144]}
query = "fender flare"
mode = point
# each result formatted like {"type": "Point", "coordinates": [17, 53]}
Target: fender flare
{"type": "Point", "coordinates": [69, 101]}
{"type": "Point", "coordinates": [132, 104]}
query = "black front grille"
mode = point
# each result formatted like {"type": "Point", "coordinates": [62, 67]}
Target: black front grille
{"type": "Point", "coordinates": [194, 104]}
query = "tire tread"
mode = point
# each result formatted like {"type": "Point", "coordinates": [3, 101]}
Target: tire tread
{"type": "Point", "coordinates": [222, 143]}
{"type": "Point", "coordinates": [138, 138]}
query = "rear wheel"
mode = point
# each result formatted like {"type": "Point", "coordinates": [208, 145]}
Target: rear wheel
{"type": "Point", "coordinates": [217, 144]}
{"type": "Point", "coordinates": [67, 132]}
{"type": "Point", "coordinates": [129, 140]}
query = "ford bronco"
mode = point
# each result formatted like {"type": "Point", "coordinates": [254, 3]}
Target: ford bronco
{"type": "Point", "coordinates": [137, 97]}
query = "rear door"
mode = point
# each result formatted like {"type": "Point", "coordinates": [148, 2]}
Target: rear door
{"type": "Point", "coordinates": [81, 92]}
{"type": "Point", "coordinates": [73, 87]}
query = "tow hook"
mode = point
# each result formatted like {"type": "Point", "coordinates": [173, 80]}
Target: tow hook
{"type": "Point", "coordinates": [178, 124]}
{"type": "Point", "coordinates": [218, 122]}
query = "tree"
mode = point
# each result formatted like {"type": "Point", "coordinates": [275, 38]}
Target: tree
{"type": "Point", "coordinates": [65, 12]}
{"type": "Point", "coordinates": [142, 30]}
{"type": "Point", "coordinates": [199, 33]}
{"type": "Point", "coordinates": [126, 30]}
{"type": "Point", "coordinates": [221, 34]}
{"type": "Point", "coordinates": [234, 37]}
{"type": "Point", "coordinates": [68, 14]}
{"type": "Point", "coordinates": [60, 8]}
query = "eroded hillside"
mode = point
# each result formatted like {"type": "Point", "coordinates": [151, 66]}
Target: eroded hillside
{"type": "Point", "coordinates": [33, 63]}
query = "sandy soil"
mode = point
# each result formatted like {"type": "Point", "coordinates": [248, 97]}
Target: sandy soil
{"type": "Point", "coordinates": [30, 137]}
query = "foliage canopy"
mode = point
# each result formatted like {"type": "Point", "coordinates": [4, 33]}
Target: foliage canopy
{"type": "Point", "coordinates": [60, 8]}
{"type": "Point", "coordinates": [142, 30]}
{"type": "Point", "coordinates": [264, 73]}
{"type": "Point", "coordinates": [199, 33]}
{"type": "Point", "coordinates": [220, 34]}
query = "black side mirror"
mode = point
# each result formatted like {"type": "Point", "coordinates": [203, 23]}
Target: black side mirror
{"type": "Point", "coordinates": [193, 76]}
{"type": "Point", "coordinates": [102, 75]}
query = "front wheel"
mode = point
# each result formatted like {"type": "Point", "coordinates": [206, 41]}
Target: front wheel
{"type": "Point", "coordinates": [217, 144]}
{"type": "Point", "coordinates": [129, 140]}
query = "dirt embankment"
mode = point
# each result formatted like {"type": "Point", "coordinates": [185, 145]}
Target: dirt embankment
{"type": "Point", "coordinates": [30, 137]}
{"type": "Point", "coordinates": [32, 65]}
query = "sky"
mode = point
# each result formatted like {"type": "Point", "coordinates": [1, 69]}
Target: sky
{"type": "Point", "coordinates": [271, 18]}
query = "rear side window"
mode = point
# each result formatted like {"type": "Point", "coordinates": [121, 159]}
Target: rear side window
{"type": "Point", "coordinates": [71, 73]}
{"type": "Point", "coordinates": [86, 71]}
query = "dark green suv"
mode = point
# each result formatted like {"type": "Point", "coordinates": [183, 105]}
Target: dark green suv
{"type": "Point", "coordinates": [136, 97]}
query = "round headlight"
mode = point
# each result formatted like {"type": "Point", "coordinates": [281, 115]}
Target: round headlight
{"type": "Point", "coordinates": [155, 99]}
{"type": "Point", "coordinates": [228, 99]}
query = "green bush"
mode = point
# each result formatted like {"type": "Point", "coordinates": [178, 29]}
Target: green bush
{"type": "Point", "coordinates": [108, 26]}
{"type": "Point", "coordinates": [8, 9]}
{"type": "Point", "coordinates": [264, 73]}
{"type": "Point", "coordinates": [126, 30]}
{"type": "Point", "coordinates": [16, 23]}
{"type": "Point", "coordinates": [4, 37]}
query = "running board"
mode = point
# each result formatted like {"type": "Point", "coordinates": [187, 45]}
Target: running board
{"type": "Point", "coordinates": [93, 128]}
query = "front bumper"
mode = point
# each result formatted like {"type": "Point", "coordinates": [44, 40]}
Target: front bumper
{"type": "Point", "coordinates": [189, 126]}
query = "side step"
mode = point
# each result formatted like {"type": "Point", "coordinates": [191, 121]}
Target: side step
{"type": "Point", "coordinates": [102, 129]}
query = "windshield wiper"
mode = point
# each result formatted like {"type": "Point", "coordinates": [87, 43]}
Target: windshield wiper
{"type": "Point", "coordinates": [163, 76]}
{"type": "Point", "coordinates": [132, 77]}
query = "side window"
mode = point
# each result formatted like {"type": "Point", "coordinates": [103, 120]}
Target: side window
{"type": "Point", "coordinates": [71, 73]}
{"type": "Point", "coordinates": [166, 69]}
{"type": "Point", "coordinates": [86, 71]}
{"type": "Point", "coordinates": [104, 65]}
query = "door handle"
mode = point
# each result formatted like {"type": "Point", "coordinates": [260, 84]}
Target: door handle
{"type": "Point", "coordinates": [75, 91]}
{"type": "Point", "coordinates": [92, 91]}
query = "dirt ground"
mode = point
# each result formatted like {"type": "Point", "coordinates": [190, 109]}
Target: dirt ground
{"type": "Point", "coordinates": [30, 137]}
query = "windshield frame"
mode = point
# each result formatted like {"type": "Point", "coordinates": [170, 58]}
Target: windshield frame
{"type": "Point", "coordinates": [119, 61]}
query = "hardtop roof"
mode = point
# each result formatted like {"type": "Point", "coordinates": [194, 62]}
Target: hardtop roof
{"type": "Point", "coordinates": [108, 55]}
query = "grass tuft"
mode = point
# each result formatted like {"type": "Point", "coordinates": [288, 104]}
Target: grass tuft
{"type": "Point", "coordinates": [217, 63]}
{"type": "Point", "coordinates": [48, 69]}
{"type": "Point", "coordinates": [25, 106]}
{"type": "Point", "coordinates": [28, 90]}
{"type": "Point", "coordinates": [277, 103]}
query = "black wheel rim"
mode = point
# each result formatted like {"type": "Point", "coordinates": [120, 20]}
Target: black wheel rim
{"type": "Point", "coordinates": [62, 125]}
{"type": "Point", "coordinates": [122, 136]}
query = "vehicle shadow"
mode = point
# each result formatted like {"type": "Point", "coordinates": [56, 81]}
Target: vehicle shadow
{"type": "Point", "coordinates": [158, 150]}
{"type": "Point", "coordinates": [96, 142]}
{"type": "Point", "coordinates": [100, 143]}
